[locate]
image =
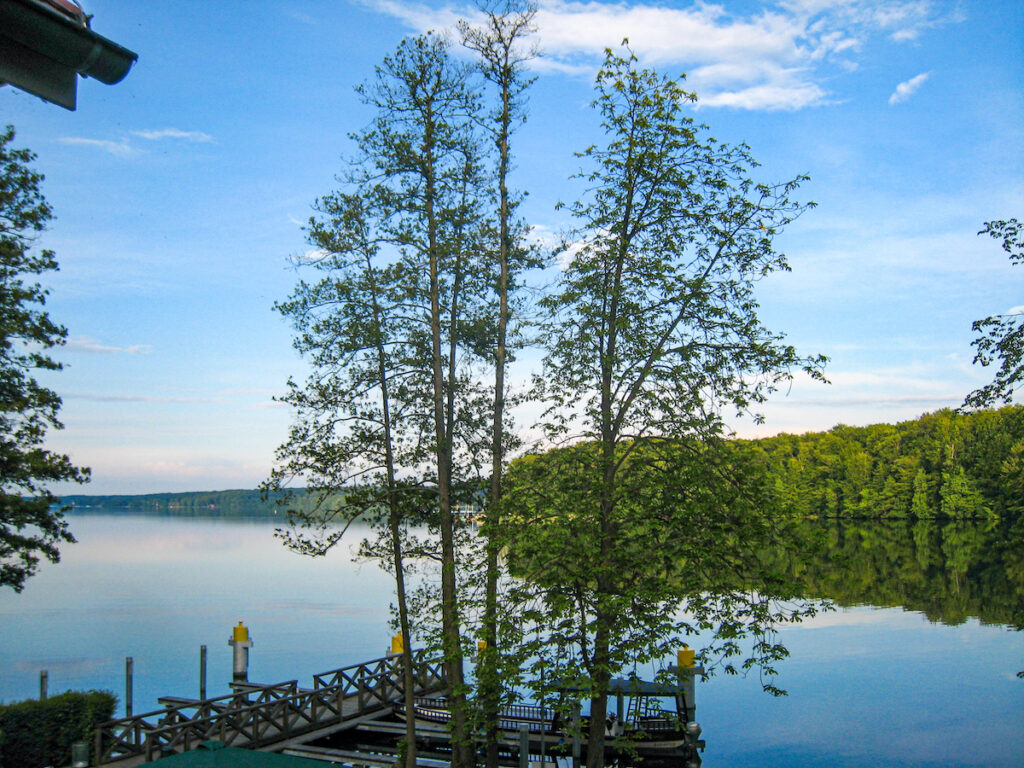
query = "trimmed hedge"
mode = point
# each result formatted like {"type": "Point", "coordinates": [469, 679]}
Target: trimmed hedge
{"type": "Point", "coordinates": [35, 734]}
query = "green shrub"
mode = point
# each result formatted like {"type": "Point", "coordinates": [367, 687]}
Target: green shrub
{"type": "Point", "coordinates": [35, 734]}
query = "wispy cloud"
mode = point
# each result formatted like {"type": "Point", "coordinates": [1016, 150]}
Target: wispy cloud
{"type": "Point", "coordinates": [120, 148]}
{"type": "Point", "coordinates": [927, 401]}
{"type": "Point", "coordinates": [124, 147]}
{"type": "Point", "coordinates": [907, 88]}
{"type": "Point", "coordinates": [252, 391]}
{"type": "Point", "coordinates": [174, 133]}
{"type": "Point", "coordinates": [91, 346]}
{"type": "Point", "coordinates": [119, 398]}
{"type": "Point", "coordinates": [777, 57]}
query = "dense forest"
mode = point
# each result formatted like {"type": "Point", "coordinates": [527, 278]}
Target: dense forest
{"type": "Point", "coordinates": [943, 465]}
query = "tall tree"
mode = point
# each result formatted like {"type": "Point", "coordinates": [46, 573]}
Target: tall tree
{"type": "Point", "coordinates": [29, 526]}
{"type": "Point", "coordinates": [349, 438]}
{"type": "Point", "coordinates": [502, 61]}
{"type": "Point", "coordinates": [654, 330]}
{"type": "Point", "coordinates": [400, 329]}
{"type": "Point", "coordinates": [1001, 337]}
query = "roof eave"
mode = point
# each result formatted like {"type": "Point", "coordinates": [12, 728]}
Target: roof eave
{"type": "Point", "coordinates": [43, 50]}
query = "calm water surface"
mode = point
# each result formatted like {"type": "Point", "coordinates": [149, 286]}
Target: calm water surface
{"type": "Point", "coordinates": [917, 667]}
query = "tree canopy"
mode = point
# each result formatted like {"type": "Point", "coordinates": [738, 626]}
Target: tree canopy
{"type": "Point", "coordinates": [1001, 337]}
{"type": "Point", "coordinates": [651, 333]}
{"type": "Point", "coordinates": [397, 327]}
{"type": "Point", "coordinates": [29, 526]}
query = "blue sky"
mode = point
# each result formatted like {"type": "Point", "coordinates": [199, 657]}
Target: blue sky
{"type": "Point", "coordinates": [180, 193]}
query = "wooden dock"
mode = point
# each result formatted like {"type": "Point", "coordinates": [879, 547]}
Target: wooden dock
{"type": "Point", "coordinates": [266, 717]}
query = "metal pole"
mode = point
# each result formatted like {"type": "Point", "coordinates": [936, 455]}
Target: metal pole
{"type": "Point", "coordinates": [79, 755]}
{"type": "Point", "coordinates": [129, 670]}
{"type": "Point", "coordinates": [202, 672]}
{"type": "Point", "coordinates": [44, 678]}
{"type": "Point", "coordinates": [524, 746]}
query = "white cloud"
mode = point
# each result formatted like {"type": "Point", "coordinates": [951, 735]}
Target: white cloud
{"type": "Point", "coordinates": [174, 133]}
{"type": "Point", "coordinates": [120, 148]}
{"type": "Point", "coordinates": [769, 96]}
{"type": "Point", "coordinates": [90, 345]}
{"type": "Point", "coordinates": [907, 88]}
{"type": "Point", "coordinates": [310, 257]}
{"type": "Point", "coordinates": [774, 58]}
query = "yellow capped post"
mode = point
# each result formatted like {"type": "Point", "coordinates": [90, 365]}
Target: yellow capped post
{"type": "Point", "coordinates": [397, 646]}
{"type": "Point", "coordinates": [686, 657]}
{"type": "Point", "coordinates": [240, 641]}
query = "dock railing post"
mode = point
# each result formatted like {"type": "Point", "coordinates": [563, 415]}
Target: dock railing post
{"type": "Point", "coordinates": [687, 671]}
{"type": "Point", "coordinates": [524, 746]}
{"type": "Point", "coordinates": [543, 733]}
{"type": "Point", "coordinates": [202, 673]}
{"type": "Point", "coordinates": [44, 679]}
{"type": "Point", "coordinates": [576, 750]}
{"type": "Point", "coordinates": [129, 671]}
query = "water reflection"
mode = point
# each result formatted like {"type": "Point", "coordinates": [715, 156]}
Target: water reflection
{"type": "Point", "coordinates": [950, 572]}
{"type": "Point", "coordinates": [916, 668]}
{"type": "Point", "coordinates": [156, 588]}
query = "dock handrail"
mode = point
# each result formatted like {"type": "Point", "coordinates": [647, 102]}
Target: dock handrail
{"type": "Point", "coordinates": [263, 714]}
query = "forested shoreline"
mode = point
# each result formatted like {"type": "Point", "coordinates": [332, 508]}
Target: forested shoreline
{"type": "Point", "coordinates": [229, 503]}
{"type": "Point", "coordinates": [944, 464]}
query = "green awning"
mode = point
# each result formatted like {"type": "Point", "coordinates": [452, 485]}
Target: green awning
{"type": "Point", "coordinates": [216, 755]}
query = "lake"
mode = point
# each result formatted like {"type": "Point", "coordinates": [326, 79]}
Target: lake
{"type": "Point", "coordinates": [916, 666]}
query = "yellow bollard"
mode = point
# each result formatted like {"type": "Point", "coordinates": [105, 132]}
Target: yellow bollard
{"type": "Point", "coordinates": [686, 657]}
{"type": "Point", "coordinates": [397, 646]}
{"type": "Point", "coordinates": [241, 643]}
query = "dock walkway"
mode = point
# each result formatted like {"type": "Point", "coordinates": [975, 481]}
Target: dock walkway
{"type": "Point", "coordinates": [267, 717]}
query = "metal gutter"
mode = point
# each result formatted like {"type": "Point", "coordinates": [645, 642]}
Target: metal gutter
{"type": "Point", "coordinates": [43, 48]}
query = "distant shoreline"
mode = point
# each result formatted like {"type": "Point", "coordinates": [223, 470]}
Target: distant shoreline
{"type": "Point", "coordinates": [230, 503]}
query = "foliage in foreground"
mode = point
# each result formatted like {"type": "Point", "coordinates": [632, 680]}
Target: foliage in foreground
{"type": "Point", "coordinates": [30, 526]}
{"type": "Point", "coordinates": [397, 325]}
{"type": "Point", "coordinates": [681, 558]}
{"type": "Point", "coordinates": [1001, 337]}
{"type": "Point", "coordinates": [37, 733]}
{"type": "Point", "coordinates": [652, 331]}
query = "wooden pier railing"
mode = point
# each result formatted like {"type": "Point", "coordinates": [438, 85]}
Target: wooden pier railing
{"type": "Point", "coordinates": [262, 715]}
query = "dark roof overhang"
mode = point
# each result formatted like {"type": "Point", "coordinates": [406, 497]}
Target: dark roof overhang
{"type": "Point", "coordinates": [46, 44]}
